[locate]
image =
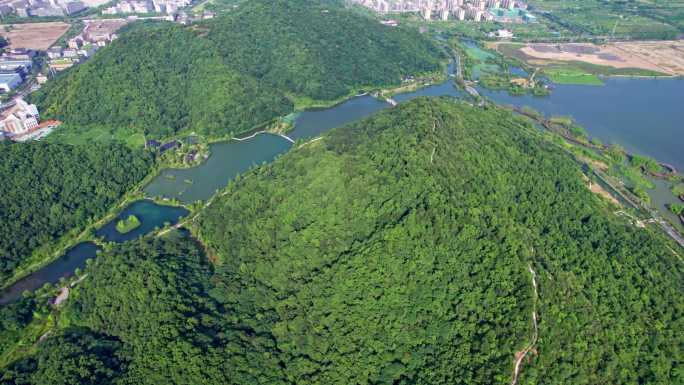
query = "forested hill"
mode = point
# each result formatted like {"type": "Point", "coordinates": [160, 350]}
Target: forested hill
{"type": "Point", "coordinates": [318, 49]}
{"type": "Point", "coordinates": [397, 250]}
{"type": "Point", "coordinates": [236, 71]}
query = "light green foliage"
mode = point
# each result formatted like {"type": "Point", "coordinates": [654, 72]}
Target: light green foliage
{"type": "Point", "coordinates": [571, 76]}
{"type": "Point", "coordinates": [678, 189]}
{"type": "Point", "coordinates": [645, 162]}
{"type": "Point", "coordinates": [677, 208]}
{"type": "Point", "coordinates": [565, 121]}
{"type": "Point", "coordinates": [649, 19]}
{"type": "Point", "coordinates": [127, 225]}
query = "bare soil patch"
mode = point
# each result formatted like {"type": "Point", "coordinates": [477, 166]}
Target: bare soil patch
{"type": "Point", "coordinates": [38, 36]}
{"type": "Point", "coordinates": [101, 29]}
{"type": "Point", "coordinates": [661, 56]}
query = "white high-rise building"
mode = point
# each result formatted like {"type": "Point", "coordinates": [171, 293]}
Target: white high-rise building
{"type": "Point", "coordinates": [444, 13]}
{"type": "Point", "coordinates": [460, 13]}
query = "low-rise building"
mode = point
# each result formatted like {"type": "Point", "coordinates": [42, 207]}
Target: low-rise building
{"type": "Point", "coordinates": [41, 78]}
{"type": "Point", "coordinates": [10, 81]}
{"type": "Point", "coordinates": [19, 118]}
{"type": "Point", "coordinates": [10, 65]}
{"type": "Point", "coordinates": [54, 52]}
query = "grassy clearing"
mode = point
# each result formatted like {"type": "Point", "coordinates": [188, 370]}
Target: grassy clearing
{"type": "Point", "coordinates": [570, 76]}
{"type": "Point", "coordinates": [83, 136]}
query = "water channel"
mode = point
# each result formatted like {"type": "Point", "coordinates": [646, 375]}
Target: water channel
{"type": "Point", "coordinates": [151, 216]}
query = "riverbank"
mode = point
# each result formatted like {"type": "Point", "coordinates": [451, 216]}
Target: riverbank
{"type": "Point", "coordinates": [610, 161]}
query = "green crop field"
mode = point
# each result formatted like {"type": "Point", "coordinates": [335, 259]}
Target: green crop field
{"type": "Point", "coordinates": [572, 76]}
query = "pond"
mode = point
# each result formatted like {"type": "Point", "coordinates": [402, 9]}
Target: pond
{"type": "Point", "coordinates": [227, 160]}
{"type": "Point", "coordinates": [151, 216]}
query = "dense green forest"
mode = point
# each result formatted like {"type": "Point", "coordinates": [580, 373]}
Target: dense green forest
{"type": "Point", "coordinates": [48, 190]}
{"type": "Point", "coordinates": [232, 73]}
{"type": "Point", "coordinates": [396, 250]}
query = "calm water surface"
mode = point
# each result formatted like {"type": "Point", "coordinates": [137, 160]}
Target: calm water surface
{"type": "Point", "coordinates": [662, 198]}
{"type": "Point", "coordinates": [227, 160]}
{"type": "Point", "coordinates": [151, 216]}
{"type": "Point", "coordinates": [63, 267]}
{"type": "Point", "coordinates": [645, 116]}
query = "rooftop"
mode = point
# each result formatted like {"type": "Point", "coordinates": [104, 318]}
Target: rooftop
{"type": "Point", "coordinates": [8, 77]}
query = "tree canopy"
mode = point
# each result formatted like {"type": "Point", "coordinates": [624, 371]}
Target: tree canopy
{"type": "Point", "coordinates": [396, 250]}
{"type": "Point", "coordinates": [49, 189]}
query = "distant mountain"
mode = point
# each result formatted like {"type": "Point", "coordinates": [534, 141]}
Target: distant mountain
{"type": "Point", "coordinates": [234, 72]}
{"type": "Point", "coordinates": [413, 247]}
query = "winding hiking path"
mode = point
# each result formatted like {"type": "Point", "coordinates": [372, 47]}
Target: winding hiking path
{"type": "Point", "coordinates": [519, 356]}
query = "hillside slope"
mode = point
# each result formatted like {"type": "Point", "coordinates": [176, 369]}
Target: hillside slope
{"type": "Point", "coordinates": [397, 250]}
{"type": "Point", "coordinates": [234, 72]}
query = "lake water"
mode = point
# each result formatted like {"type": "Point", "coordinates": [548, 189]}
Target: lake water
{"type": "Point", "coordinates": [151, 216]}
{"type": "Point", "coordinates": [645, 116]}
{"type": "Point", "coordinates": [312, 123]}
{"type": "Point", "coordinates": [63, 267]}
{"type": "Point", "coordinates": [227, 160]}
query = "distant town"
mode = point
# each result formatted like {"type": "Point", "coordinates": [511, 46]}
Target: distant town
{"type": "Point", "coordinates": [502, 11]}
{"type": "Point", "coordinates": [60, 8]}
{"type": "Point", "coordinates": [35, 52]}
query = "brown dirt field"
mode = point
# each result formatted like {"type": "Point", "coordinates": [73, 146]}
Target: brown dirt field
{"type": "Point", "coordinates": [595, 163]}
{"type": "Point", "coordinates": [38, 36]}
{"type": "Point", "coordinates": [597, 189]}
{"type": "Point", "coordinates": [660, 56]}
{"type": "Point", "coordinates": [104, 26]}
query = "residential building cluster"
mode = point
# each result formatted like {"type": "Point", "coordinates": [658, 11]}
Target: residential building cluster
{"type": "Point", "coordinates": [95, 34]}
{"type": "Point", "coordinates": [15, 67]}
{"type": "Point", "coordinates": [147, 6]}
{"type": "Point", "coordinates": [504, 11]}
{"type": "Point", "coordinates": [41, 8]}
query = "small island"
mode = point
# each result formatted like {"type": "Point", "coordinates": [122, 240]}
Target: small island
{"type": "Point", "coordinates": [127, 225]}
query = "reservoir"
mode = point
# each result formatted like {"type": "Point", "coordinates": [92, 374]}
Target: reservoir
{"type": "Point", "coordinates": [643, 115]}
